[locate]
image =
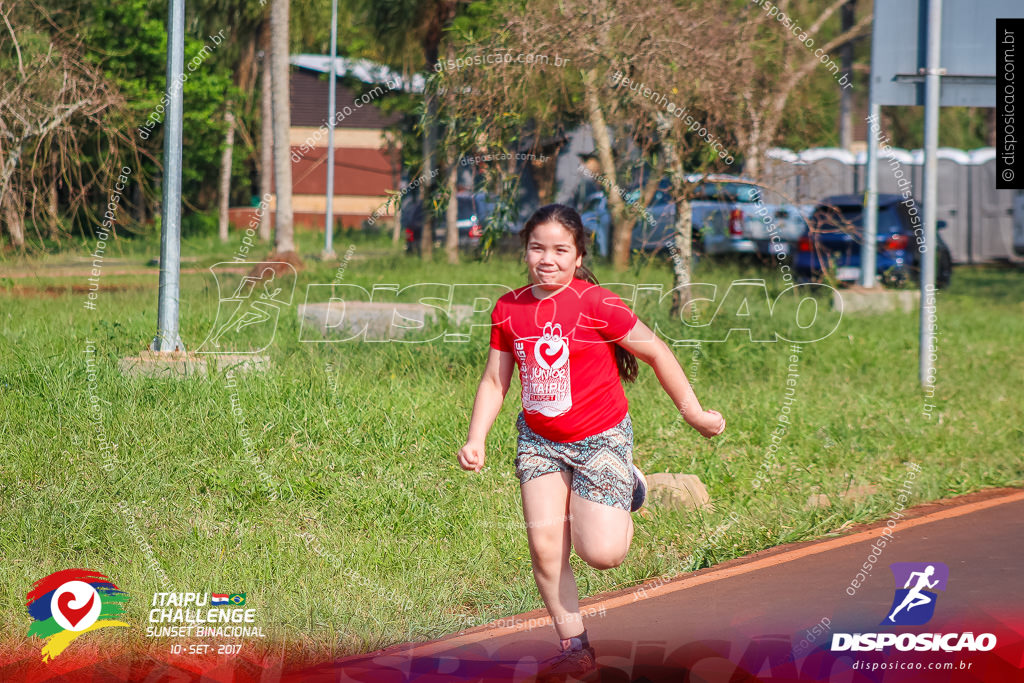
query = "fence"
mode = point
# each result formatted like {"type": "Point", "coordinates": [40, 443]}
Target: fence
{"type": "Point", "coordinates": [979, 218]}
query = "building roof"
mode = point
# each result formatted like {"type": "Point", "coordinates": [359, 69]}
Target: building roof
{"type": "Point", "coordinates": [362, 69]}
{"type": "Point", "coordinates": [309, 99]}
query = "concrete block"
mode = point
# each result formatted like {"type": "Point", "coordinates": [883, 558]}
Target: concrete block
{"type": "Point", "coordinates": [177, 365]}
{"type": "Point", "coordinates": [818, 500]}
{"type": "Point", "coordinates": [238, 362]}
{"type": "Point", "coordinates": [380, 321]}
{"type": "Point", "coordinates": [876, 300]}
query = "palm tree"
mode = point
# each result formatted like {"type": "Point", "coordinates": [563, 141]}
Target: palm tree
{"type": "Point", "coordinates": [392, 23]}
{"type": "Point", "coordinates": [248, 22]}
{"type": "Point", "coordinates": [284, 237]}
{"type": "Point", "coordinates": [224, 189]}
{"type": "Point", "coordinates": [266, 130]}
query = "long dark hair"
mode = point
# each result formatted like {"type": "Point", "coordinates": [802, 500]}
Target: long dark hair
{"type": "Point", "coordinates": [568, 218]}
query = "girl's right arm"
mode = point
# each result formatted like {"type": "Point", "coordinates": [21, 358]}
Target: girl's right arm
{"type": "Point", "coordinates": [649, 348]}
{"type": "Point", "coordinates": [489, 396]}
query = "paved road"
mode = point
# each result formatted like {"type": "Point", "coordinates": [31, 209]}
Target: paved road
{"type": "Point", "coordinates": [770, 616]}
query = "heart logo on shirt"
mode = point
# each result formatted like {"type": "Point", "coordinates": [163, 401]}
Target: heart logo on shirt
{"type": "Point", "coordinates": [552, 349]}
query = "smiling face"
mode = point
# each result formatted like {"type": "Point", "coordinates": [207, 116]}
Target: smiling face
{"type": "Point", "coordinates": [551, 256]}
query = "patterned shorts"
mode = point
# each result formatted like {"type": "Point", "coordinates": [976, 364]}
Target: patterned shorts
{"type": "Point", "coordinates": [601, 465]}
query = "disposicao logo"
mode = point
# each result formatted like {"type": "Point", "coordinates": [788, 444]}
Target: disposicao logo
{"type": "Point", "coordinates": [912, 605]}
{"type": "Point", "coordinates": [68, 603]}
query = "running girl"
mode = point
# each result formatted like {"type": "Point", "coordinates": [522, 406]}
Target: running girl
{"type": "Point", "coordinates": [572, 341]}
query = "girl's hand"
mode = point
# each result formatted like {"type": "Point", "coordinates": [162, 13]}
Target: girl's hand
{"type": "Point", "coordinates": [471, 457]}
{"type": "Point", "coordinates": [711, 423]}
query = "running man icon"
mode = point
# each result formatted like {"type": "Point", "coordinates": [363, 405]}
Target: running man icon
{"type": "Point", "coordinates": [915, 597]}
{"type": "Point", "coordinates": [252, 310]}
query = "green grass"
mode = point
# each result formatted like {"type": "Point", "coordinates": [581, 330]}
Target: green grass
{"type": "Point", "coordinates": [358, 441]}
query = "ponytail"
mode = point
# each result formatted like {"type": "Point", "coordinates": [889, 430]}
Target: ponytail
{"type": "Point", "coordinates": [624, 360]}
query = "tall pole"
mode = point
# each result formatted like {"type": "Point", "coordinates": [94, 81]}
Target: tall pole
{"type": "Point", "coordinates": [932, 79]}
{"type": "Point", "coordinates": [167, 338]}
{"type": "Point", "coordinates": [870, 243]}
{"type": "Point", "coordinates": [329, 213]}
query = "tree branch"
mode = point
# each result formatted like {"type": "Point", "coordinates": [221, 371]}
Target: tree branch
{"type": "Point", "coordinates": [824, 16]}
{"type": "Point", "coordinates": [17, 48]}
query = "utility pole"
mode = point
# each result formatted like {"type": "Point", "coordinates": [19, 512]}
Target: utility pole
{"type": "Point", "coordinates": [167, 339]}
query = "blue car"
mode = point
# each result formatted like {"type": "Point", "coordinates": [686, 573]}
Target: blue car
{"type": "Point", "coordinates": [835, 237]}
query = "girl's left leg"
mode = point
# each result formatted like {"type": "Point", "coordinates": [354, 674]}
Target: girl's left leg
{"type": "Point", "coordinates": [545, 509]}
{"type": "Point", "coordinates": [601, 534]}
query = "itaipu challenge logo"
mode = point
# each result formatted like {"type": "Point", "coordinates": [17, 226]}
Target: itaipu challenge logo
{"type": "Point", "coordinates": [69, 603]}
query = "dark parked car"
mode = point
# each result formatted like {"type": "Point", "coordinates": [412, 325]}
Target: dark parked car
{"type": "Point", "coordinates": [835, 238]}
{"type": "Point", "coordinates": [474, 210]}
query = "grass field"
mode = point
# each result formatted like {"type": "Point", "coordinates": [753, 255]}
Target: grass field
{"type": "Point", "coordinates": [363, 531]}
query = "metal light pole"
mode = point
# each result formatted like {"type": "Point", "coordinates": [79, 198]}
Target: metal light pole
{"type": "Point", "coordinates": [932, 77]}
{"type": "Point", "coordinates": [867, 249]}
{"type": "Point", "coordinates": [167, 338]}
{"type": "Point", "coordinates": [329, 214]}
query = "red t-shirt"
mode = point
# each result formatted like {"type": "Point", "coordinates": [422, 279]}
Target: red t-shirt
{"type": "Point", "coordinates": [564, 347]}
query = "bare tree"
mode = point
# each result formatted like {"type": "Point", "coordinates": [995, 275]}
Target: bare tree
{"type": "Point", "coordinates": [785, 61]}
{"type": "Point", "coordinates": [488, 111]}
{"type": "Point", "coordinates": [688, 87]}
{"type": "Point", "coordinates": [642, 73]}
{"type": "Point", "coordinates": [621, 236]}
{"type": "Point", "coordinates": [51, 98]}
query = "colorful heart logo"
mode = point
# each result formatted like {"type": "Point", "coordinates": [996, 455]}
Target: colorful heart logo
{"type": "Point", "coordinates": [75, 605]}
{"type": "Point", "coordinates": [72, 614]}
{"type": "Point", "coordinates": [69, 603]}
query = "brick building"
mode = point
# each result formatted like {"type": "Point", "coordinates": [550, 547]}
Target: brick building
{"type": "Point", "coordinates": [366, 165]}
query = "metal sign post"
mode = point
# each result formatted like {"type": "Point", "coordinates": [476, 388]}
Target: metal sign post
{"type": "Point", "coordinates": [903, 32]}
{"type": "Point", "coordinates": [167, 339]}
{"type": "Point", "coordinates": [867, 249]}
